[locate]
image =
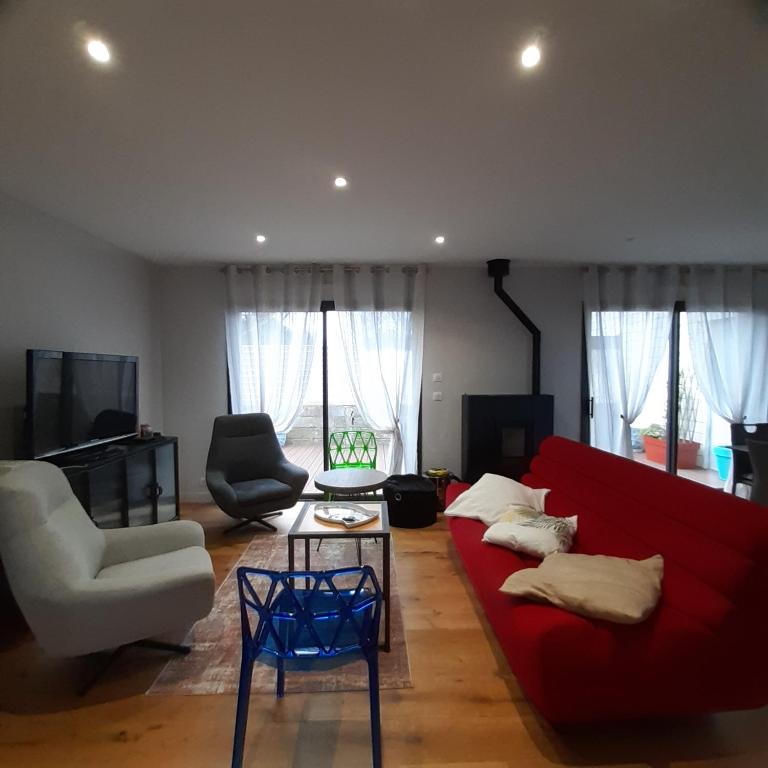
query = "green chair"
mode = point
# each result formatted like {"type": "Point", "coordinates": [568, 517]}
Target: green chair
{"type": "Point", "coordinates": [355, 449]}
{"type": "Point", "coordinates": [352, 450]}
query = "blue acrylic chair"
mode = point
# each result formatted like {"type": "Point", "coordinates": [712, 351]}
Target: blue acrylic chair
{"type": "Point", "coordinates": [332, 620]}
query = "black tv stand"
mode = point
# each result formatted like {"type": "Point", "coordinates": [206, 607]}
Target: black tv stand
{"type": "Point", "coordinates": [87, 456]}
{"type": "Point", "coordinates": [129, 482]}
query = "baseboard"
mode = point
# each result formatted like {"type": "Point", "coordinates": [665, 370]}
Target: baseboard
{"type": "Point", "coordinates": [196, 497]}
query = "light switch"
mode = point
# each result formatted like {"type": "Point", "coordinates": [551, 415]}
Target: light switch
{"type": "Point", "coordinates": [437, 395]}
{"type": "Point", "coordinates": [437, 377]}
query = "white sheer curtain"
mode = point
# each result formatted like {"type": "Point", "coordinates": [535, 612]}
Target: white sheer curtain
{"type": "Point", "coordinates": [727, 310]}
{"type": "Point", "coordinates": [380, 311]}
{"type": "Point", "coordinates": [273, 325]}
{"type": "Point", "coordinates": [628, 317]}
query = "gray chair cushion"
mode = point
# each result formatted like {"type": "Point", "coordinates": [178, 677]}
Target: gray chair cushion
{"type": "Point", "coordinates": [256, 491]}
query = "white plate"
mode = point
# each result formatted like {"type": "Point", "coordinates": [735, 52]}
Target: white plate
{"type": "Point", "coordinates": [344, 513]}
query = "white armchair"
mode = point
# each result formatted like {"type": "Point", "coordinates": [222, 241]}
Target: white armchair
{"type": "Point", "coordinates": [82, 589]}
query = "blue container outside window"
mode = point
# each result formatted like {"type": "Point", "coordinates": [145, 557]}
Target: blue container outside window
{"type": "Point", "coordinates": [723, 460]}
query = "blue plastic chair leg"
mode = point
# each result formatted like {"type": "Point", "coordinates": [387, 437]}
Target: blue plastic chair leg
{"type": "Point", "coordinates": [280, 678]}
{"type": "Point", "coordinates": [373, 691]}
{"type": "Point", "coordinates": [241, 719]}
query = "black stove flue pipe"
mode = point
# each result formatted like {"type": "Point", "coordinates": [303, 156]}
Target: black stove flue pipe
{"type": "Point", "coordinates": [498, 269]}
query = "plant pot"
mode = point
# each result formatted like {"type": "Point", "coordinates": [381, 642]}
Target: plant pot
{"type": "Point", "coordinates": [723, 459]}
{"type": "Point", "coordinates": [656, 451]}
{"type": "Point", "coordinates": [687, 454]}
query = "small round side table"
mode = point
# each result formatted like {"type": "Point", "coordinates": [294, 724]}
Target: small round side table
{"type": "Point", "coordinates": [350, 482]}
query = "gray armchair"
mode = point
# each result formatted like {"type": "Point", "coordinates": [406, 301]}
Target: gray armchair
{"type": "Point", "coordinates": [82, 589]}
{"type": "Point", "coordinates": [247, 472]}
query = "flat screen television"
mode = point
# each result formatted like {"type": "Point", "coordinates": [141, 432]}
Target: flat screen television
{"type": "Point", "coordinates": [75, 400]}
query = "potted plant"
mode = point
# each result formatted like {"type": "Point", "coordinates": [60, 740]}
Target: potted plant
{"type": "Point", "coordinates": [655, 444]}
{"type": "Point", "coordinates": [655, 436]}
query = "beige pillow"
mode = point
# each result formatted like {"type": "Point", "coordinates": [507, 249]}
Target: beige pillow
{"type": "Point", "coordinates": [492, 496]}
{"type": "Point", "coordinates": [518, 513]}
{"type": "Point", "coordinates": [596, 586]}
{"type": "Point", "coordinates": [538, 536]}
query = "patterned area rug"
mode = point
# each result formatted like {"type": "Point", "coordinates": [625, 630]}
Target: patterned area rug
{"type": "Point", "coordinates": [213, 665]}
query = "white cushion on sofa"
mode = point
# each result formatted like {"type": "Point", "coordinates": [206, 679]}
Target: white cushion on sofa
{"type": "Point", "coordinates": [492, 496]}
{"type": "Point", "coordinates": [538, 537]}
{"type": "Point", "coordinates": [595, 586]}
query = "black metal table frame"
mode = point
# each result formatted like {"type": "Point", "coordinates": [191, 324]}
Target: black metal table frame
{"type": "Point", "coordinates": [347, 533]}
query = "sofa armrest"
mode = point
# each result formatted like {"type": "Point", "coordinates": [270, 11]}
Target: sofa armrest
{"type": "Point", "coordinates": [453, 491]}
{"type": "Point", "coordinates": [127, 544]}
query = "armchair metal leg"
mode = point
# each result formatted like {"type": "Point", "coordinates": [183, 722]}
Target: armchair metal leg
{"type": "Point", "coordinates": [106, 660]}
{"type": "Point", "coordinates": [110, 657]}
{"type": "Point", "coordinates": [159, 645]}
{"type": "Point", "coordinates": [237, 526]}
{"type": "Point", "coordinates": [263, 522]}
{"type": "Point", "coordinates": [256, 521]}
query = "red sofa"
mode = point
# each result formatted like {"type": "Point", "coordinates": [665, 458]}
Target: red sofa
{"type": "Point", "coordinates": [702, 649]}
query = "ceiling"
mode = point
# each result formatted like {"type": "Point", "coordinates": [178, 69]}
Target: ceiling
{"type": "Point", "coordinates": [642, 136]}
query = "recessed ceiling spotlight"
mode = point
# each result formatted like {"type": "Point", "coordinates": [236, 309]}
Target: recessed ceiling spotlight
{"type": "Point", "coordinates": [440, 239]}
{"type": "Point", "coordinates": [531, 56]}
{"type": "Point", "coordinates": [260, 239]}
{"type": "Point", "coordinates": [340, 182]}
{"type": "Point", "coordinates": [98, 50]}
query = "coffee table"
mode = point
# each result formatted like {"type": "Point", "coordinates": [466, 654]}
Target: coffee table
{"type": "Point", "coordinates": [308, 527]}
{"type": "Point", "coordinates": [350, 482]}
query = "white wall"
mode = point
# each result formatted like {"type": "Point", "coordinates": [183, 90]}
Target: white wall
{"type": "Point", "coordinates": [61, 288]}
{"type": "Point", "coordinates": [190, 309]}
{"type": "Point", "coordinates": [470, 337]}
{"type": "Point", "coordinates": [64, 289]}
{"type": "Point", "coordinates": [480, 348]}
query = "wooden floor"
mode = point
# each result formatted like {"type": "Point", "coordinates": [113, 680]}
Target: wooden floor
{"type": "Point", "coordinates": [465, 709]}
{"type": "Point", "coordinates": [309, 457]}
{"type": "Point", "coordinates": [699, 475]}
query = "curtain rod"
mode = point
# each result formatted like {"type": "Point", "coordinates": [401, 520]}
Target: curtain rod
{"type": "Point", "coordinates": [682, 267]}
{"type": "Point", "coordinates": [323, 268]}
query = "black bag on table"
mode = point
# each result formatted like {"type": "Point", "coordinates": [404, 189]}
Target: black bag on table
{"type": "Point", "coordinates": [411, 501]}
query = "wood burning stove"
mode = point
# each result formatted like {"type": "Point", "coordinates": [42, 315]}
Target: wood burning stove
{"type": "Point", "coordinates": [501, 433]}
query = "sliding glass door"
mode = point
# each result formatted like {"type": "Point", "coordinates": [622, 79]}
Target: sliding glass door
{"type": "Point", "coordinates": [699, 433]}
{"type": "Point", "coordinates": [702, 434]}
{"type": "Point", "coordinates": [352, 398]}
{"type": "Point", "coordinates": [342, 377]}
